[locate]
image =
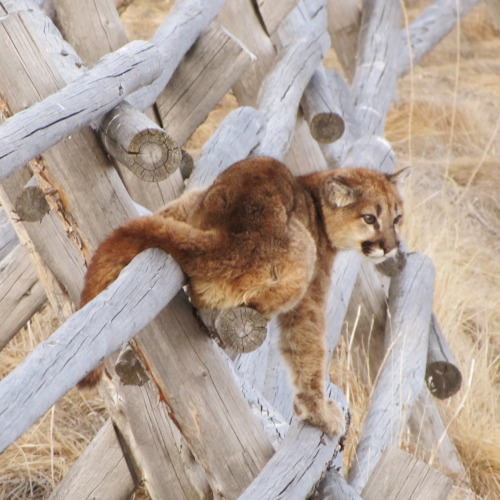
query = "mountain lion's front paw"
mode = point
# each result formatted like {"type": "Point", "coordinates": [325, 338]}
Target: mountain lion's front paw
{"type": "Point", "coordinates": [323, 413]}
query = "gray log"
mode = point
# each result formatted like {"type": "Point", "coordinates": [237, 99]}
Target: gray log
{"type": "Point", "coordinates": [323, 116]}
{"type": "Point", "coordinates": [31, 204]}
{"type": "Point", "coordinates": [285, 476]}
{"type": "Point", "coordinates": [442, 376]}
{"type": "Point", "coordinates": [29, 132]}
{"type": "Point", "coordinates": [433, 24]}
{"type": "Point", "coordinates": [101, 472]}
{"type": "Point", "coordinates": [399, 475]}
{"type": "Point", "coordinates": [401, 378]}
{"type": "Point", "coordinates": [272, 12]}
{"type": "Point", "coordinates": [21, 293]}
{"type": "Point", "coordinates": [215, 63]}
{"type": "Point", "coordinates": [84, 340]}
{"type": "Point", "coordinates": [139, 144]}
{"type": "Point", "coordinates": [8, 238]}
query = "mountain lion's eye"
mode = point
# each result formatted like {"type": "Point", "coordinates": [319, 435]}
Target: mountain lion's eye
{"type": "Point", "coordinates": [369, 219]}
{"type": "Point", "coordinates": [397, 219]}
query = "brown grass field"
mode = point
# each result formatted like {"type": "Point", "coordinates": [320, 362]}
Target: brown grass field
{"type": "Point", "coordinates": [444, 122]}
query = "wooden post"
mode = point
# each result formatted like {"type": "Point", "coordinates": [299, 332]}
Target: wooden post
{"type": "Point", "coordinates": [112, 480]}
{"type": "Point", "coordinates": [401, 378]}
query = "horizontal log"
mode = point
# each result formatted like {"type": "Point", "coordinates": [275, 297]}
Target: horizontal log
{"type": "Point", "coordinates": [31, 204]}
{"type": "Point", "coordinates": [442, 376]}
{"type": "Point", "coordinates": [298, 463]}
{"type": "Point", "coordinates": [323, 116]}
{"type": "Point", "coordinates": [84, 340]}
{"type": "Point", "coordinates": [21, 293]}
{"type": "Point", "coordinates": [101, 471]}
{"type": "Point", "coordinates": [401, 377]}
{"type": "Point", "coordinates": [138, 143]}
{"type": "Point", "coordinates": [430, 27]}
{"type": "Point", "coordinates": [30, 132]}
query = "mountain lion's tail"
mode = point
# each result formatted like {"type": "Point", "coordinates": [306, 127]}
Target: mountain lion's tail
{"type": "Point", "coordinates": [183, 242]}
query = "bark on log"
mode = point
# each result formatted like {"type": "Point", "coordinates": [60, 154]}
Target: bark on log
{"type": "Point", "coordinates": [101, 472]}
{"type": "Point", "coordinates": [286, 477]}
{"type": "Point", "coordinates": [401, 378]}
{"type": "Point", "coordinates": [399, 475]}
{"type": "Point", "coordinates": [323, 116]}
{"type": "Point", "coordinates": [21, 293]}
{"type": "Point", "coordinates": [139, 144]}
{"type": "Point", "coordinates": [215, 63]}
{"type": "Point", "coordinates": [31, 204]}
{"type": "Point", "coordinates": [442, 376]}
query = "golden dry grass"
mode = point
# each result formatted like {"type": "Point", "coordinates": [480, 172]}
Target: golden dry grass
{"type": "Point", "coordinates": [445, 123]}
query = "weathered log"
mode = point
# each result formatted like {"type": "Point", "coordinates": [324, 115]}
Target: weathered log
{"type": "Point", "coordinates": [336, 152]}
{"type": "Point", "coordinates": [240, 329]}
{"type": "Point", "coordinates": [46, 374]}
{"type": "Point", "coordinates": [442, 376]}
{"type": "Point", "coordinates": [31, 204]}
{"type": "Point", "coordinates": [240, 18]}
{"type": "Point", "coordinates": [284, 476]}
{"type": "Point", "coordinates": [433, 24]}
{"type": "Point", "coordinates": [139, 144]}
{"type": "Point", "coordinates": [187, 165]}
{"type": "Point", "coordinates": [207, 72]}
{"type": "Point", "coordinates": [77, 21]}
{"type": "Point", "coordinates": [30, 132]}
{"type": "Point", "coordinates": [21, 293]}
{"type": "Point", "coordinates": [273, 12]}
{"type": "Point", "coordinates": [279, 101]}
{"type": "Point", "coordinates": [429, 437]}
{"type": "Point", "coordinates": [375, 79]}
{"type": "Point", "coordinates": [400, 475]}
{"type": "Point", "coordinates": [8, 238]}
{"type": "Point", "coordinates": [158, 455]}
{"type": "Point", "coordinates": [344, 18]}
{"type": "Point", "coordinates": [101, 471]}
{"type": "Point", "coordinates": [185, 23]}
{"type": "Point", "coordinates": [324, 118]}
{"type": "Point", "coordinates": [401, 378]}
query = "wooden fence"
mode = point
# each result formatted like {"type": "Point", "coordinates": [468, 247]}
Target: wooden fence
{"type": "Point", "coordinates": [95, 138]}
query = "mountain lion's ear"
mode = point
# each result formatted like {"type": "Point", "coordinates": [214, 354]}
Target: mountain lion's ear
{"type": "Point", "coordinates": [339, 193]}
{"type": "Point", "coordinates": [399, 179]}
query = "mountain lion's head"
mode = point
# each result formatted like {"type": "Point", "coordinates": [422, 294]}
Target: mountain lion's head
{"type": "Point", "coordinates": [363, 211]}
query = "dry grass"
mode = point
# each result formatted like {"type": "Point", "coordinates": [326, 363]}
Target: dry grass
{"type": "Point", "coordinates": [446, 124]}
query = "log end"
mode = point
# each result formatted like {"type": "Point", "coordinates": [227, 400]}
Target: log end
{"type": "Point", "coordinates": [327, 127]}
{"type": "Point", "coordinates": [443, 379]}
{"type": "Point", "coordinates": [130, 369]}
{"type": "Point", "coordinates": [31, 204]}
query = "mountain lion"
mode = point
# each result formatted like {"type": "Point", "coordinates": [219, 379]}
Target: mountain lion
{"type": "Point", "coordinates": [262, 238]}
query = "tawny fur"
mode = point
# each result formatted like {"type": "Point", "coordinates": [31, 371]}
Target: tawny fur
{"type": "Point", "coordinates": [260, 237]}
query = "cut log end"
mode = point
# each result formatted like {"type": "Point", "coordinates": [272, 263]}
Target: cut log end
{"type": "Point", "coordinates": [443, 379]}
{"type": "Point", "coordinates": [240, 329]}
{"type": "Point", "coordinates": [327, 127]}
{"type": "Point", "coordinates": [393, 266]}
{"type": "Point", "coordinates": [31, 204]}
{"type": "Point", "coordinates": [153, 155]}
{"type": "Point", "coordinates": [130, 368]}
